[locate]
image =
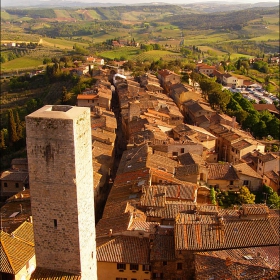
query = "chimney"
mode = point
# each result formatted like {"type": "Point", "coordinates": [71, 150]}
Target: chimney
{"type": "Point", "coordinates": [31, 219]}
{"type": "Point", "coordinates": [233, 122]}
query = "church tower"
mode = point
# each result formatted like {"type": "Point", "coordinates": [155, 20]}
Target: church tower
{"type": "Point", "coordinates": [59, 150]}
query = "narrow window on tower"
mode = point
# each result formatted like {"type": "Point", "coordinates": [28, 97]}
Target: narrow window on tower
{"type": "Point", "coordinates": [55, 223]}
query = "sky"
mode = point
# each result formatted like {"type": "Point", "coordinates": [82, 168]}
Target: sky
{"type": "Point", "coordinates": [26, 2]}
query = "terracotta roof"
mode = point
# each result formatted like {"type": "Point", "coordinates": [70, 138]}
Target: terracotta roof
{"type": "Point", "coordinates": [14, 175]}
{"type": "Point", "coordinates": [244, 168]}
{"type": "Point", "coordinates": [241, 144]}
{"type": "Point", "coordinates": [171, 209]}
{"type": "Point", "coordinates": [162, 163]}
{"type": "Point", "coordinates": [205, 232]}
{"type": "Point", "coordinates": [221, 171]}
{"type": "Point", "coordinates": [196, 107]}
{"type": "Point", "coordinates": [103, 135]}
{"type": "Point", "coordinates": [267, 157]}
{"type": "Point", "coordinates": [138, 177]}
{"type": "Point", "coordinates": [118, 223]}
{"type": "Point", "coordinates": [272, 175]}
{"type": "Point", "coordinates": [124, 249]}
{"type": "Point", "coordinates": [16, 248]}
{"type": "Point", "coordinates": [87, 96]}
{"type": "Point", "coordinates": [202, 119]}
{"type": "Point", "coordinates": [166, 72]}
{"type": "Point", "coordinates": [228, 132]}
{"type": "Point", "coordinates": [48, 274]}
{"type": "Point", "coordinates": [143, 226]}
{"type": "Point", "coordinates": [251, 263]}
{"type": "Point", "coordinates": [19, 161]}
{"type": "Point", "coordinates": [165, 176]}
{"type": "Point", "coordinates": [158, 114]}
{"type": "Point", "coordinates": [137, 125]}
{"type": "Point", "coordinates": [189, 159]}
{"type": "Point", "coordinates": [133, 159]}
{"type": "Point", "coordinates": [154, 196]}
{"type": "Point", "coordinates": [182, 172]}
{"type": "Point", "coordinates": [255, 209]}
{"type": "Point", "coordinates": [268, 107]}
{"type": "Point", "coordinates": [158, 195]}
{"type": "Point", "coordinates": [16, 211]}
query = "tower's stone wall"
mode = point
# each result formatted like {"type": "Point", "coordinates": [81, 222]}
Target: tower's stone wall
{"type": "Point", "coordinates": [61, 187]}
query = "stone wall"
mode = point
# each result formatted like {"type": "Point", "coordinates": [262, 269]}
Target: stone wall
{"type": "Point", "coordinates": [61, 188]}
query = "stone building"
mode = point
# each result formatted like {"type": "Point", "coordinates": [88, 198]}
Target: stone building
{"type": "Point", "coordinates": [61, 188]}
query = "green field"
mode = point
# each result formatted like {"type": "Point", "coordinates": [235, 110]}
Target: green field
{"type": "Point", "coordinates": [156, 55]}
{"type": "Point", "coordinates": [21, 63]}
{"type": "Point", "coordinates": [61, 43]}
{"type": "Point", "coordinates": [127, 52]}
{"type": "Point", "coordinates": [133, 53]}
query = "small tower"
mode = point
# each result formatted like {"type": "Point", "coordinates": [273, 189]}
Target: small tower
{"type": "Point", "coordinates": [59, 150]}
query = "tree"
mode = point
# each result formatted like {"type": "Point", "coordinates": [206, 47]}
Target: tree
{"type": "Point", "coordinates": [219, 99]}
{"type": "Point", "coordinates": [271, 197]}
{"type": "Point", "coordinates": [245, 197]}
{"type": "Point", "coordinates": [19, 128]}
{"type": "Point", "coordinates": [2, 140]}
{"type": "Point", "coordinates": [213, 196]}
{"type": "Point", "coordinates": [65, 96]}
{"type": "Point", "coordinates": [31, 105]}
{"type": "Point", "coordinates": [241, 116]}
{"type": "Point", "coordinates": [12, 128]}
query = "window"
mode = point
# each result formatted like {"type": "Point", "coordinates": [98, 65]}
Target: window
{"type": "Point", "coordinates": [245, 182]}
{"type": "Point", "coordinates": [121, 266]}
{"type": "Point", "coordinates": [158, 275]}
{"type": "Point", "coordinates": [231, 182]}
{"type": "Point", "coordinates": [118, 278]}
{"type": "Point", "coordinates": [17, 185]}
{"type": "Point", "coordinates": [179, 266]}
{"type": "Point", "coordinates": [5, 185]}
{"type": "Point", "coordinates": [164, 263]}
{"type": "Point", "coordinates": [134, 267]}
{"type": "Point", "coordinates": [175, 154]}
{"type": "Point", "coordinates": [55, 223]}
{"type": "Point", "coordinates": [182, 150]}
{"type": "Point", "coordinates": [146, 267]}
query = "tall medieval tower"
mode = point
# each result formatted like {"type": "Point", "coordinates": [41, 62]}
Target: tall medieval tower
{"type": "Point", "coordinates": [59, 153]}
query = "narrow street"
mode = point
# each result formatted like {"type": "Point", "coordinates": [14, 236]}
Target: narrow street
{"type": "Point", "coordinates": [120, 147]}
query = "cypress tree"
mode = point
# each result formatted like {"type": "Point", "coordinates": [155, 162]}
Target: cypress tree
{"type": "Point", "coordinates": [18, 127]}
{"type": "Point", "coordinates": [12, 129]}
{"type": "Point", "coordinates": [2, 140]}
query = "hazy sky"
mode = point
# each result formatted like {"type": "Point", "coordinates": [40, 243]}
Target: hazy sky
{"type": "Point", "coordinates": [163, 1]}
{"type": "Point", "coordinates": [27, 3]}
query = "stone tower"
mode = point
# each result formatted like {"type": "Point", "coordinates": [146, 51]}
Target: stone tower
{"type": "Point", "coordinates": [59, 153]}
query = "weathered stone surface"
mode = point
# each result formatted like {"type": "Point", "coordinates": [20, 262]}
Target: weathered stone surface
{"type": "Point", "coordinates": [61, 187]}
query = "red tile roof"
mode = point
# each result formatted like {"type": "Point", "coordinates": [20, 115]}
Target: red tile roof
{"type": "Point", "coordinates": [16, 248]}
{"type": "Point", "coordinates": [48, 274]}
{"type": "Point", "coordinates": [124, 249]}
{"type": "Point", "coordinates": [245, 263]}
{"type": "Point", "coordinates": [221, 171]}
{"type": "Point", "coordinates": [206, 232]}
{"type": "Point", "coordinates": [244, 168]}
